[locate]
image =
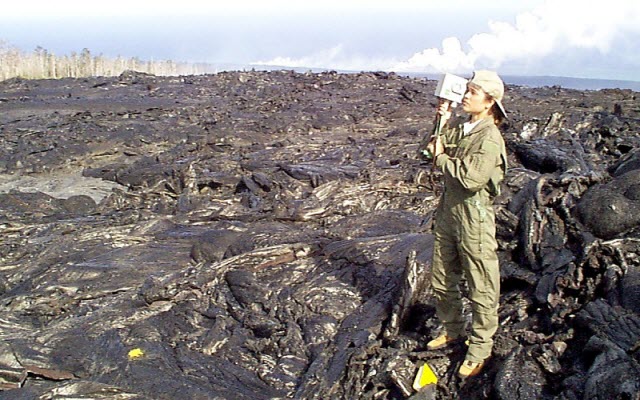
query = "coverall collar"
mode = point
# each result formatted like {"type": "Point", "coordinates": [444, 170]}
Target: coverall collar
{"type": "Point", "coordinates": [481, 124]}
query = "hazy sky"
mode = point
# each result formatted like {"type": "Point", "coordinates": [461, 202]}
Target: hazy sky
{"type": "Point", "coordinates": [523, 37]}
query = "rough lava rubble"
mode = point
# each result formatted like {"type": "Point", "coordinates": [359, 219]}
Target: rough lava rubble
{"type": "Point", "coordinates": [261, 235]}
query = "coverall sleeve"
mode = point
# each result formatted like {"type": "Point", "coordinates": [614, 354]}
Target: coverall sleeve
{"type": "Point", "coordinates": [475, 169]}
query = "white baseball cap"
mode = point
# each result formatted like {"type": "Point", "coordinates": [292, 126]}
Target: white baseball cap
{"type": "Point", "coordinates": [491, 84]}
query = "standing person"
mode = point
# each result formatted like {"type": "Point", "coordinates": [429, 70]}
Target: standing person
{"type": "Point", "coordinates": [473, 159]}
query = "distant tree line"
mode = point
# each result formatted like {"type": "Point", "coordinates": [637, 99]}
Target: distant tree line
{"type": "Point", "coordinates": [42, 64]}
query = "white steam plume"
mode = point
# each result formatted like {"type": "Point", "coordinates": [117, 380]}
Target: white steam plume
{"type": "Point", "coordinates": [312, 60]}
{"type": "Point", "coordinates": [335, 57]}
{"type": "Point", "coordinates": [555, 27]}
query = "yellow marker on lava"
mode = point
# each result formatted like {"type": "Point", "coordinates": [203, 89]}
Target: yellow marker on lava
{"type": "Point", "coordinates": [135, 353]}
{"type": "Point", "coordinates": [424, 377]}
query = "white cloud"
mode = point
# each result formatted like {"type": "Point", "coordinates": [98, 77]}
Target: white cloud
{"type": "Point", "coordinates": [555, 27]}
{"type": "Point", "coordinates": [562, 28]}
{"type": "Point", "coordinates": [452, 59]}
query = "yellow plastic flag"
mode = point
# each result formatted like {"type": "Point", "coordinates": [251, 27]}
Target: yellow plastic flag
{"type": "Point", "coordinates": [135, 353]}
{"type": "Point", "coordinates": [424, 377]}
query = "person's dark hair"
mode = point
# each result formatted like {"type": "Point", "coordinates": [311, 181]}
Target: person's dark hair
{"type": "Point", "coordinates": [496, 113]}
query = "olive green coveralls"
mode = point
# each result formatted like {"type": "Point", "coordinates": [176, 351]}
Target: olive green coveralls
{"type": "Point", "coordinates": [473, 166]}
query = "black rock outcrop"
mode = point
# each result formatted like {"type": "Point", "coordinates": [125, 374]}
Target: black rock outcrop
{"type": "Point", "coordinates": [259, 235]}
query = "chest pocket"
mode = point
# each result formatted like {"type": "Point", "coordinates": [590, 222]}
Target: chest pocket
{"type": "Point", "coordinates": [466, 144]}
{"type": "Point", "coordinates": [462, 147]}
